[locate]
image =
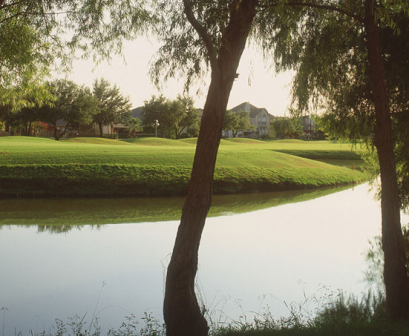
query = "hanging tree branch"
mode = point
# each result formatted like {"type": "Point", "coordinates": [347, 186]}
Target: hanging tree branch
{"type": "Point", "coordinates": [204, 35]}
{"type": "Point", "coordinates": [316, 6]}
{"type": "Point", "coordinates": [326, 7]}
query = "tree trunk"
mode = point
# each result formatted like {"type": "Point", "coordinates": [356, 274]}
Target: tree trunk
{"type": "Point", "coordinates": [28, 128]}
{"type": "Point", "coordinates": [395, 273]}
{"type": "Point", "coordinates": [101, 131]}
{"type": "Point", "coordinates": [56, 135]}
{"type": "Point", "coordinates": [65, 130]}
{"type": "Point", "coordinates": [183, 316]}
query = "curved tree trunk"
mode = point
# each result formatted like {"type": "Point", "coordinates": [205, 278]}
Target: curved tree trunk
{"type": "Point", "coordinates": [395, 273]}
{"type": "Point", "coordinates": [183, 316]}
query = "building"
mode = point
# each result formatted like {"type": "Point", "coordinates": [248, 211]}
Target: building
{"type": "Point", "coordinates": [259, 117]}
{"type": "Point", "coordinates": [308, 126]}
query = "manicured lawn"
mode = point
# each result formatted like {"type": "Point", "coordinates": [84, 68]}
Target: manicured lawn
{"type": "Point", "coordinates": [153, 166]}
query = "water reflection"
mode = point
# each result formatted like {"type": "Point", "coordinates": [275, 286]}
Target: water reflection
{"type": "Point", "coordinates": [60, 228]}
{"type": "Point", "coordinates": [63, 215]}
{"type": "Point", "coordinates": [270, 257]}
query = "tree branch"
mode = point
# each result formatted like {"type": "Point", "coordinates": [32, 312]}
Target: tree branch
{"type": "Point", "coordinates": [326, 7]}
{"type": "Point", "coordinates": [27, 14]}
{"type": "Point", "coordinates": [207, 39]}
{"type": "Point", "coordinates": [3, 6]}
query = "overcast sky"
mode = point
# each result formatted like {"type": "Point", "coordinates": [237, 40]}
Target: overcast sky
{"type": "Point", "coordinates": [256, 84]}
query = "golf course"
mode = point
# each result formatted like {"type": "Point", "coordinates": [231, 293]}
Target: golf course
{"type": "Point", "coordinates": [146, 167]}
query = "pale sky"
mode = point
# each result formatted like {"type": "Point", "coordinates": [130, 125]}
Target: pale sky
{"type": "Point", "coordinates": [266, 89]}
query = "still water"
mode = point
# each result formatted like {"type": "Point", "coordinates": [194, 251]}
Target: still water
{"type": "Point", "coordinates": [275, 254]}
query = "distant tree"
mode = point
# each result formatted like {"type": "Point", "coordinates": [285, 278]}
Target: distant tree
{"type": "Point", "coordinates": [237, 121]}
{"type": "Point", "coordinates": [272, 132]}
{"type": "Point", "coordinates": [188, 115]}
{"type": "Point", "coordinates": [244, 122]}
{"type": "Point", "coordinates": [23, 120]}
{"type": "Point", "coordinates": [85, 106]}
{"type": "Point", "coordinates": [283, 127]}
{"type": "Point", "coordinates": [298, 126]}
{"type": "Point", "coordinates": [72, 104]}
{"type": "Point", "coordinates": [230, 121]}
{"type": "Point", "coordinates": [156, 109]}
{"type": "Point", "coordinates": [18, 108]}
{"type": "Point", "coordinates": [193, 129]}
{"type": "Point", "coordinates": [135, 125]}
{"type": "Point", "coordinates": [174, 116]}
{"type": "Point", "coordinates": [113, 107]}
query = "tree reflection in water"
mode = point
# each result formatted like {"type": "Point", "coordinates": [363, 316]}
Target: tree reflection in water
{"type": "Point", "coordinates": [63, 215]}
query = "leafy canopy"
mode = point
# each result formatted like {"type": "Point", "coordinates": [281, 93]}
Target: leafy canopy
{"type": "Point", "coordinates": [71, 104]}
{"type": "Point", "coordinates": [173, 116]}
{"type": "Point", "coordinates": [38, 36]}
{"type": "Point", "coordinates": [237, 121]}
{"type": "Point", "coordinates": [112, 105]}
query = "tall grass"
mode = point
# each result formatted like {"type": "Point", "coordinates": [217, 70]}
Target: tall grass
{"type": "Point", "coordinates": [344, 316]}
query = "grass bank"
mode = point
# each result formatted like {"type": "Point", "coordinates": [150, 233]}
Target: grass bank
{"type": "Point", "coordinates": [37, 167]}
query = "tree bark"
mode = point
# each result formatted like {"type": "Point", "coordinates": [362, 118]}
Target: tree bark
{"type": "Point", "coordinates": [183, 316]}
{"type": "Point", "coordinates": [101, 131]}
{"type": "Point", "coordinates": [29, 129]}
{"type": "Point", "coordinates": [56, 135]}
{"type": "Point", "coordinates": [395, 273]}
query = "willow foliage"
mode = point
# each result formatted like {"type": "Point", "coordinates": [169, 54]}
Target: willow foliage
{"type": "Point", "coordinates": [325, 43]}
{"type": "Point", "coordinates": [37, 36]}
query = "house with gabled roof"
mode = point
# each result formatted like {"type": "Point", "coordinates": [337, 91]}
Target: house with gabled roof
{"type": "Point", "coordinates": [259, 117]}
{"type": "Point", "coordinates": [308, 125]}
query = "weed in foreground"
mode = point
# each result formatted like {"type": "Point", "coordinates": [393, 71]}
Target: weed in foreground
{"type": "Point", "coordinates": [77, 326]}
{"type": "Point", "coordinates": [152, 327]}
{"type": "Point", "coordinates": [345, 316]}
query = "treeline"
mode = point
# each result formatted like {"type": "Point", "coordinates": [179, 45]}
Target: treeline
{"type": "Point", "coordinates": [64, 100]}
{"type": "Point", "coordinates": [61, 105]}
{"type": "Point", "coordinates": [66, 103]}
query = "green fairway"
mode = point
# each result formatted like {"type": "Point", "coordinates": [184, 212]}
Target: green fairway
{"type": "Point", "coordinates": [154, 166]}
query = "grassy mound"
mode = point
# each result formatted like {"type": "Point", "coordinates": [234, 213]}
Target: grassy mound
{"type": "Point", "coordinates": [155, 142]}
{"type": "Point", "coordinates": [191, 141]}
{"type": "Point", "coordinates": [158, 167]}
{"type": "Point", "coordinates": [242, 141]}
{"type": "Point", "coordinates": [96, 141]}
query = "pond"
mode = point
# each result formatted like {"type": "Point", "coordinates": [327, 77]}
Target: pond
{"type": "Point", "coordinates": [109, 258]}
